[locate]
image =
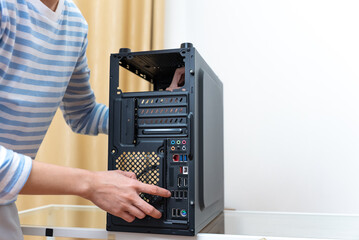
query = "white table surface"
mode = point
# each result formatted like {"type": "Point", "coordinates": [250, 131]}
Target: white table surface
{"type": "Point", "coordinates": [90, 222]}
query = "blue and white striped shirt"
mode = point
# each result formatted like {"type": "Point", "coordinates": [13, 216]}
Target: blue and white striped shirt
{"type": "Point", "coordinates": [43, 66]}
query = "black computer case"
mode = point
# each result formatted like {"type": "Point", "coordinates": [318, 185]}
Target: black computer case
{"type": "Point", "coordinates": [173, 139]}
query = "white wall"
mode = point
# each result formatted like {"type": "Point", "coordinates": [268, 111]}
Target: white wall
{"type": "Point", "coordinates": [291, 75]}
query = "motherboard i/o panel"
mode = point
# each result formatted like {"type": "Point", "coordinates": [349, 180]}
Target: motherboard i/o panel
{"type": "Point", "coordinates": [172, 139]}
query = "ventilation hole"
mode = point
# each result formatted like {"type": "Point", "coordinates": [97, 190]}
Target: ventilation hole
{"type": "Point", "coordinates": [171, 100]}
{"type": "Point", "coordinates": [181, 99]}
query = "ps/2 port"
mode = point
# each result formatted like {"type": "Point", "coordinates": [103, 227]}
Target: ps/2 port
{"type": "Point", "coordinates": [183, 213]}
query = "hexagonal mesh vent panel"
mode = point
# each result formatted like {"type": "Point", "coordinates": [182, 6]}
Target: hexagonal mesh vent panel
{"type": "Point", "coordinates": [144, 164]}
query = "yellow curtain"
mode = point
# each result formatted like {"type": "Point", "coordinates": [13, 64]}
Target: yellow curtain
{"type": "Point", "coordinates": [112, 24]}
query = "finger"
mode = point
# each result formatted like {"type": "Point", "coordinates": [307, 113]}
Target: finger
{"type": "Point", "coordinates": [178, 74]}
{"type": "Point", "coordinates": [181, 70]}
{"type": "Point", "coordinates": [134, 211]}
{"type": "Point", "coordinates": [153, 190]}
{"type": "Point", "coordinates": [147, 208]}
{"type": "Point", "coordinates": [130, 174]}
{"type": "Point", "coordinates": [126, 216]}
{"type": "Point", "coordinates": [181, 81]}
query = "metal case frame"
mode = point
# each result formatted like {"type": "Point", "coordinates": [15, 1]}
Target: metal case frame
{"type": "Point", "coordinates": [199, 107]}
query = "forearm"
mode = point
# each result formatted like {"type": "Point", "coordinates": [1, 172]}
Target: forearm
{"type": "Point", "coordinates": [116, 192]}
{"type": "Point", "coordinates": [52, 180]}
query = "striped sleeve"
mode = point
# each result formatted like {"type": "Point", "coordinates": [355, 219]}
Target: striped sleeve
{"type": "Point", "coordinates": [3, 18]}
{"type": "Point", "coordinates": [79, 107]}
{"type": "Point", "coordinates": [14, 171]}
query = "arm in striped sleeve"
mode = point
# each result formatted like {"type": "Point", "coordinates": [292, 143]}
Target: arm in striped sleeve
{"type": "Point", "coordinates": [79, 107]}
{"type": "Point", "coordinates": [14, 172]}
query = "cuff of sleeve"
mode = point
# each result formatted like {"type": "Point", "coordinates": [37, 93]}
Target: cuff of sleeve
{"type": "Point", "coordinates": [20, 173]}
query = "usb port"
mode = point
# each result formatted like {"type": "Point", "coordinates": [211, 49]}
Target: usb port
{"type": "Point", "coordinates": [176, 194]}
{"type": "Point", "coordinates": [179, 181]}
{"type": "Point", "coordinates": [178, 214]}
{"type": "Point", "coordinates": [185, 182]}
{"type": "Point", "coordinates": [181, 194]}
{"type": "Point", "coordinates": [185, 170]}
{"type": "Point", "coordinates": [174, 212]}
{"type": "Point", "coordinates": [181, 158]}
{"type": "Point", "coordinates": [175, 157]}
{"type": "Point", "coordinates": [172, 194]}
{"type": "Point", "coordinates": [185, 194]}
{"type": "Point", "coordinates": [185, 158]}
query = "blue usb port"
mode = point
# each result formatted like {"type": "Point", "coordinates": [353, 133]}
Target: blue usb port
{"type": "Point", "coordinates": [181, 158]}
{"type": "Point", "coordinates": [184, 158]}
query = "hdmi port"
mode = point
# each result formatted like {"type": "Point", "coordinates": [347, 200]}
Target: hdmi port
{"type": "Point", "coordinates": [185, 183]}
{"type": "Point", "coordinates": [179, 181]}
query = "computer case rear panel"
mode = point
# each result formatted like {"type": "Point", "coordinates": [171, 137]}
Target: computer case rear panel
{"type": "Point", "coordinates": [172, 139]}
